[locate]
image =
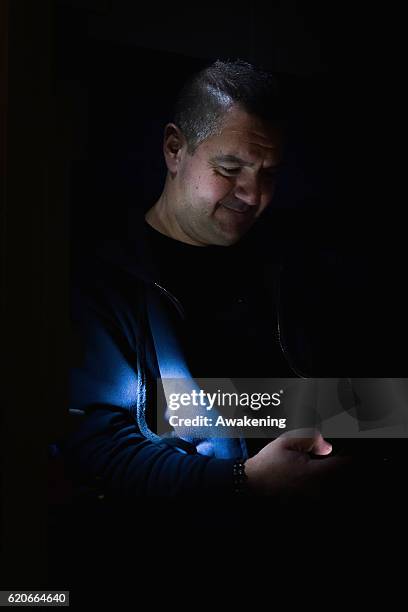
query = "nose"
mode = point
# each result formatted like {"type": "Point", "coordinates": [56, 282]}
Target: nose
{"type": "Point", "coordinates": [249, 191]}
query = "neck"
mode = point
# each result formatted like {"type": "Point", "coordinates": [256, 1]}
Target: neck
{"type": "Point", "coordinates": [160, 218]}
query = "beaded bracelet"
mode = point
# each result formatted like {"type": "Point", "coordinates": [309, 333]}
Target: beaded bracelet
{"type": "Point", "coordinates": [240, 478]}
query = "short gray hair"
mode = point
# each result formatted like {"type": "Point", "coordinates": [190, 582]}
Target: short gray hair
{"type": "Point", "coordinates": [204, 99]}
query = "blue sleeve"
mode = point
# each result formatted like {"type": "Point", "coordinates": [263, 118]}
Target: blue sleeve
{"type": "Point", "coordinates": [106, 447]}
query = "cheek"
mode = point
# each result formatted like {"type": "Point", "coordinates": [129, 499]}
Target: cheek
{"type": "Point", "coordinates": [266, 198]}
{"type": "Point", "coordinates": [210, 188]}
{"type": "Point", "coordinates": [269, 192]}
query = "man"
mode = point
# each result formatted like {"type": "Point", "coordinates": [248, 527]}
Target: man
{"type": "Point", "coordinates": [192, 284]}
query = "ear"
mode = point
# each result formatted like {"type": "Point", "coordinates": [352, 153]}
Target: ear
{"type": "Point", "coordinates": [174, 144]}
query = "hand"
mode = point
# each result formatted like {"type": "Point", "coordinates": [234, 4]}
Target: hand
{"type": "Point", "coordinates": [287, 466]}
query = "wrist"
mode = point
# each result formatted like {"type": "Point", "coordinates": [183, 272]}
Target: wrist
{"type": "Point", "coordinates": [251, 473]}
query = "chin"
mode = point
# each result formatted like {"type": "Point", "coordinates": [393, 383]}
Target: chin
{"type": "Point", "coordinates": [229, 239]}
{"type": "Point", "coordinates": [227, 234]}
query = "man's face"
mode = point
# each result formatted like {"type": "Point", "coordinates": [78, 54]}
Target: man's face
{"type": "Point", "coordinates": [227, 183]}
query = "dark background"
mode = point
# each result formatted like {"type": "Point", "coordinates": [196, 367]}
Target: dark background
{"type": "Point", "coordinates": [86, 90]}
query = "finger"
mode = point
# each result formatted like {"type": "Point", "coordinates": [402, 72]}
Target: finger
{"type": "Point", "coordinates": [330, 464]}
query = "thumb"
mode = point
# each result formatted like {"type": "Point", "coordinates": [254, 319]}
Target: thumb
{"type": "Point", "coordinates": [307, 441]}
{"type": "Point", "coordinates": [320, 446]}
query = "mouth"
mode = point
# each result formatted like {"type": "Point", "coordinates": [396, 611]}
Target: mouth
{"type": "Point", "coordinates": [238, 207]}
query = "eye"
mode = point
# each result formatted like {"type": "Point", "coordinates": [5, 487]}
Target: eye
{"type": "Point", "coordinates": [270, 175]}
{"type": "Point", "coordinates": [229, 171]}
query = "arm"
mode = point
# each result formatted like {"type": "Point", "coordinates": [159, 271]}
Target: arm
{"type": "Point", "coordinates": [107, 444]}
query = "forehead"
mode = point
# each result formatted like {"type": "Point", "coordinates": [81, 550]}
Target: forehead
{"type": "Point", "coordinates": [245, 135]}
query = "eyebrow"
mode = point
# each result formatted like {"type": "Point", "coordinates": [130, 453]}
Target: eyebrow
{"type": "Point", "coordinates": [237, 160]}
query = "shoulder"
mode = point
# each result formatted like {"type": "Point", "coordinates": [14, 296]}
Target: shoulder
{"type": "Point", "coordinates": [104, 289]}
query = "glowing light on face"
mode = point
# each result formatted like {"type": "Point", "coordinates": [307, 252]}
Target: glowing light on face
{"type": "Point", "coordinates": [227, 183]}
